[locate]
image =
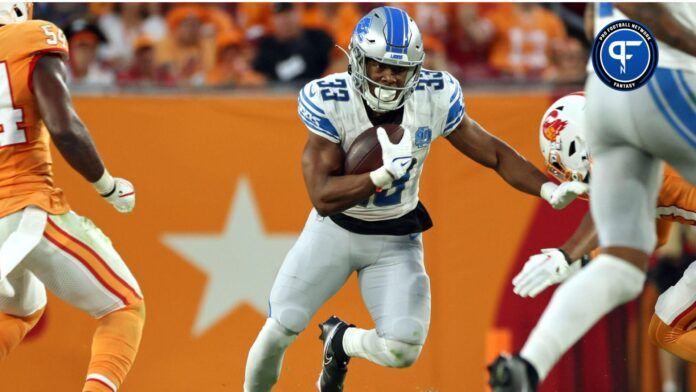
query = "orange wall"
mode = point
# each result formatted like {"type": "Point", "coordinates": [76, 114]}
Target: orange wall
{"type": "Point", "coordinates": [186, 157]}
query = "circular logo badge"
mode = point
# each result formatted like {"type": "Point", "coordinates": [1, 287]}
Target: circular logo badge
{"type": "Point", "coordinates": [624, 55]}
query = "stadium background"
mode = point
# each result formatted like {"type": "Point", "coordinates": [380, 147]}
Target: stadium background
{"type": "Point", "coordinates": [213, 150]}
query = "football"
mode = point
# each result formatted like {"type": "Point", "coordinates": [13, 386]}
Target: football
{"type": "Point", "coordinates": [365, 154]}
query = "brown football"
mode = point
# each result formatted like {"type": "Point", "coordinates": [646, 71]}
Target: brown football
{"type": "Point", "coordinates": [365, 154]}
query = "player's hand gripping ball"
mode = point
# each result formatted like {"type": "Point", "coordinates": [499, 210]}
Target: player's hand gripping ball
{"type": "Point", "coordinates": [384, 151]}
{"type": "Point", "coordinates": [365, 154]}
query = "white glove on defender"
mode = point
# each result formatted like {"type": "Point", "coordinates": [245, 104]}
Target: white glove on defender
{"type": "Point", "coordinates": [397, 159]}
{"type": "Point", "coordinates": [117, 191]}
{"type": "Point", "coordinates": [543, 270]}
{"type": "Point", "coordinates": [559, 196]}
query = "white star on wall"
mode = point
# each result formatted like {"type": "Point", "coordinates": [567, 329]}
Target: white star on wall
{"type": "Point", "coordinates": [241, 262]}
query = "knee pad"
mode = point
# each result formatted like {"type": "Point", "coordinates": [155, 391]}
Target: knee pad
{"type": "Point", "coordinates": [278, 328]}
{"type": "Point", "coordinates": [292, 319]}
{"type": "Point", "coordinates": [274, 337]}
{"type": "Point", "coordinates": [402, 354]}
{"type": "Point", "coordinates": [628, 279]}
{"type": "Point", "coordinates": [409, 330]}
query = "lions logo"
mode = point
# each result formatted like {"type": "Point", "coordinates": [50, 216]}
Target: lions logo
{"type": "Point", "coordinates": [423, 136]}
{"type": "Point", "coordinates": [363, 27]}
{"type": "Point", "coordinates": [553, 126]}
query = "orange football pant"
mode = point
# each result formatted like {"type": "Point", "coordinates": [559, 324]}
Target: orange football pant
{"type": "Point", "coordinates": [114, 348]}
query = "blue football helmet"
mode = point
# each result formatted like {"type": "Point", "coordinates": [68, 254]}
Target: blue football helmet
{"type": "Point", "coordinates": [387, 35]}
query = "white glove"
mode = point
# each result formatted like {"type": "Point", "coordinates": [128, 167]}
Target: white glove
{"type": "Point", "coordinates": [117, 191]}
{"type": "Point", "coordinates": [397, 159]}
{"type": "Point", "coordinates": [541, 271]}
{"type": "Point", "coordinates": [559, 196]}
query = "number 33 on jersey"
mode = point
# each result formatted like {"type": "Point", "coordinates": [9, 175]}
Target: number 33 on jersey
{"type": "Point", "coordinates": [25, 160]}
{"type": "Point", "coordinates": [330, 108]}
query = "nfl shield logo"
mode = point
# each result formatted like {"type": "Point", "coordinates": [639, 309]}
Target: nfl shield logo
{"type": "Point", "coordinates": [423, 136]}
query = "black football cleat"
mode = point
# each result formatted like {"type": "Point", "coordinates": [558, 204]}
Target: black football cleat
{"type": "Point", "coordinates": [335, 361]}
{"type": "Point", "coordinates": [512, 374]}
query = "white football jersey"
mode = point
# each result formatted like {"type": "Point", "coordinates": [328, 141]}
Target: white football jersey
{"type": "Point", "coordinates": [669, 57]}
{"type": "Point", "coordinates": [331, 108]}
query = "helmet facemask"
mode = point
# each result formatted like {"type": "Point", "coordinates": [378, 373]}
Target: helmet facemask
{"type": "Point", "coordinates": [388, 36]}
{"type": "Point", "coordinates": [563, 172]}
{"type": "Point", "coordinates": [385, 98]}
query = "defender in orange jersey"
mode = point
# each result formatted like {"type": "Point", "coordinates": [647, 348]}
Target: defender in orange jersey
{"type": "Point", "coordinates": [42, 242]}
{"type": "Point", "coordinates": [562, 140]}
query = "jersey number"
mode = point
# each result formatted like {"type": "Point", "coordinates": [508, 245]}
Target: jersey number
{"type": "Point", "coordinates": [53, 38]}
{"type": "Point", "coordinates": [334, 91]}
{"type": "Point", "coordinates": [431, 79]}
{"type": "Point", "coordinates": [10, 116]}
{"type": "Point", "coordinates": [391, 196]}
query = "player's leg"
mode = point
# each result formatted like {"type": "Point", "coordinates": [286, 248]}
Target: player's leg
{"type": "Point", "coordinates": [670, 106]}
{"type": "Point", "coordinates": [623, 195]}
{"type": "Point", "coordinates": [672, 325]}
{"type": "Point", "coordinates": [666, 109]}
{"type": "Point", "coordinates": [114, 347]}
{"type": "Point", "coordinates": [77, 262]}
{"type": "Point", "coordinates": [396, 291]}
{"type": "Point", "coordinates": [314, 269]}
{"type": "Point", "coordinates": [20, 313]}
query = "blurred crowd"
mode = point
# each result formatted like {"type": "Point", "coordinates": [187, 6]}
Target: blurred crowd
{"type": "Point", "coordinates": [259, 44]}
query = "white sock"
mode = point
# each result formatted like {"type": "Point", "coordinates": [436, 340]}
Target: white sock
{"type": "Point", "coordinates": [577, 305]}
{"type": "Point", "coordinates": [266, 357]}
{"type": "Point", "coordinates": [367, 344]}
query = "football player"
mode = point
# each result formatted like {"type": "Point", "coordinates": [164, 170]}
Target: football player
{"type": "Point", "coordinates": [629, 133]}
{"type": "Point", "coordinates": [563, 141]}
{"type": "Point", "coordinates": [372, 223]}
{"type": "Point", "coordinates": [43, 244]}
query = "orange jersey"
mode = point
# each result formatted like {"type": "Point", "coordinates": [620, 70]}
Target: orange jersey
{"type": "Point", "coordinates": [675, 203]}
{"type": "Point", "coordinates": [25, 160]}
{"type": "Point", "coordinates": [523, 41]}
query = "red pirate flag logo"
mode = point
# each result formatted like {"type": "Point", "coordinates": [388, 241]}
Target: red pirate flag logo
{"type": "Point", "coordinates": [553, 126]}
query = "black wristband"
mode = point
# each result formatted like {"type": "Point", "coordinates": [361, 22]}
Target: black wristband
{"type": "Point", "coordinates": [110, 193]}
{"type": "Point", "coordinates": [565, 255]}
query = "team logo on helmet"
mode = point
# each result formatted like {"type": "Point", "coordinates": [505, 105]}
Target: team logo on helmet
{"type": "Point", "coordinates": [553, 126]}
{"type": "Point", "coordinates": [363, 27]}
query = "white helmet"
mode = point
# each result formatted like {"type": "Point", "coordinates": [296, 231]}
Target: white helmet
{"type": "Point", "coordinates": [387, 35]}
{"type": "Point", "coordinates": [563, 141]}
{"type": "Point", "coordinates": [15, 12]}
